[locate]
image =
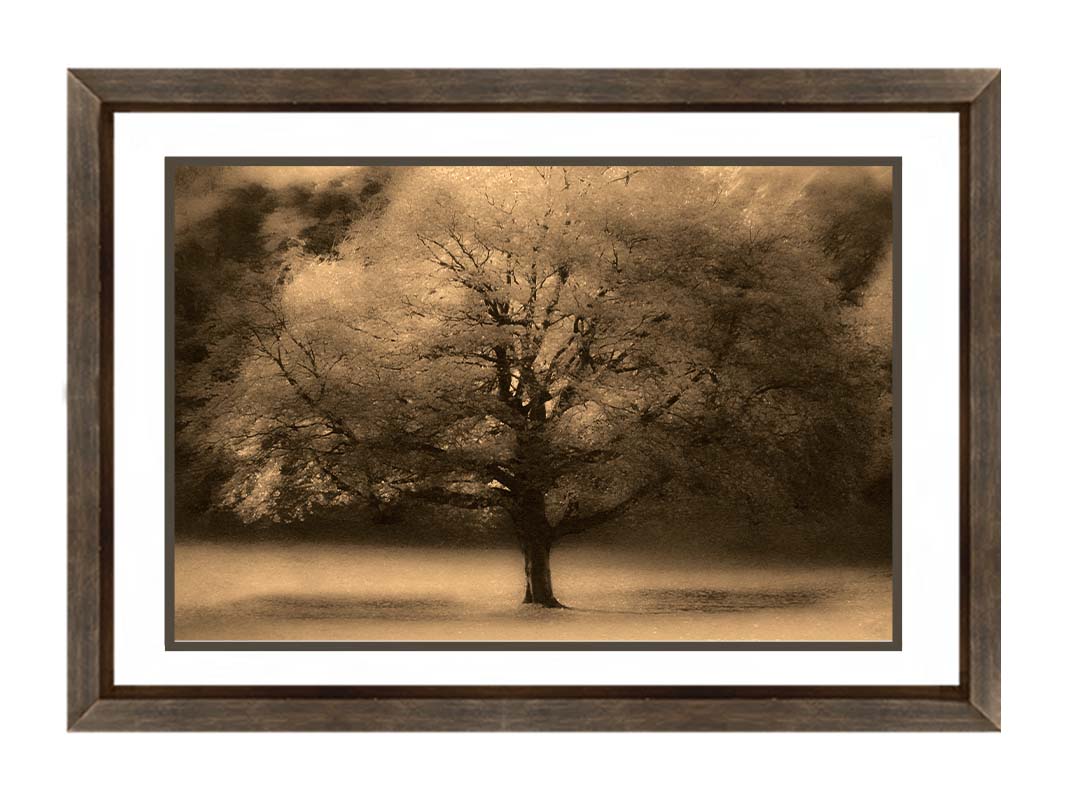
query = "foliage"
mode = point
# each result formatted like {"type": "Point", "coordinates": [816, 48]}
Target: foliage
{"type": "Point", "coordinates": [557, 343]}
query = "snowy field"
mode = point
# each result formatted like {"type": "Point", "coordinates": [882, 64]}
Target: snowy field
{"type": "Point", "coordinates": [363, 593]}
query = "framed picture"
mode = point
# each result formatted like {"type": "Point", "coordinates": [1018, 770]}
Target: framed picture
{"type": "Point", "coordinates": [534, 400]}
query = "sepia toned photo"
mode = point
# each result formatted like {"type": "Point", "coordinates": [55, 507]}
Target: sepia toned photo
{"type": "Point", "coordinates": [533, 403]}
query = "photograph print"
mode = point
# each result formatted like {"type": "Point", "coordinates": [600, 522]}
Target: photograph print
{"type": "Point", "coordinates": [585, 403]}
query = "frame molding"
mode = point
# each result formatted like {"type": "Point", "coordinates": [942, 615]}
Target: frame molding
{"type": "Point", "coordinates": [95, 703]}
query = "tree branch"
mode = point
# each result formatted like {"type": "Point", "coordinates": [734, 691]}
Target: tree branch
{"type": "Point", "coordinates": [579, 524]}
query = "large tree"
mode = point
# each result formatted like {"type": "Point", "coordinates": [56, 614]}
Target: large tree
{"type": "Point", "coordinates": [554, 343]}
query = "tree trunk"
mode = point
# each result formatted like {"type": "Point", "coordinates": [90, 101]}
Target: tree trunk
{"type": "Point", "coordinates": [539, 576]}
{"type": "Point", "coordinates": [530, 518]}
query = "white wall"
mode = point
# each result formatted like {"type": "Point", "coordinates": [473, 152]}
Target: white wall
{"type": "Point", "coordinates": [41, 39]}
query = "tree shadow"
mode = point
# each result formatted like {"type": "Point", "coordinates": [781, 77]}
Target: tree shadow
{"type": "Point", "coordinates": [329, 607]}
{"type": "Point", "coordinates": [712, 601]}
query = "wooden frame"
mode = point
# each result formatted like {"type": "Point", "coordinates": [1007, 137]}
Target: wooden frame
{"type": "Point", "coordinates": [95, 703]}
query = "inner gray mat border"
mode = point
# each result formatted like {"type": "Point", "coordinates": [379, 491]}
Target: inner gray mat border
{"type": "Point", "coordinates": [172, 162]}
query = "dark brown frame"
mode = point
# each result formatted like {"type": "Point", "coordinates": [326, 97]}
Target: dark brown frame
{"type": "Point", "coordinates": [95, 703]}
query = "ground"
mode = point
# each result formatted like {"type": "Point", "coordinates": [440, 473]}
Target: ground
{"type": "Point", "coordinates": [351, 592]}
